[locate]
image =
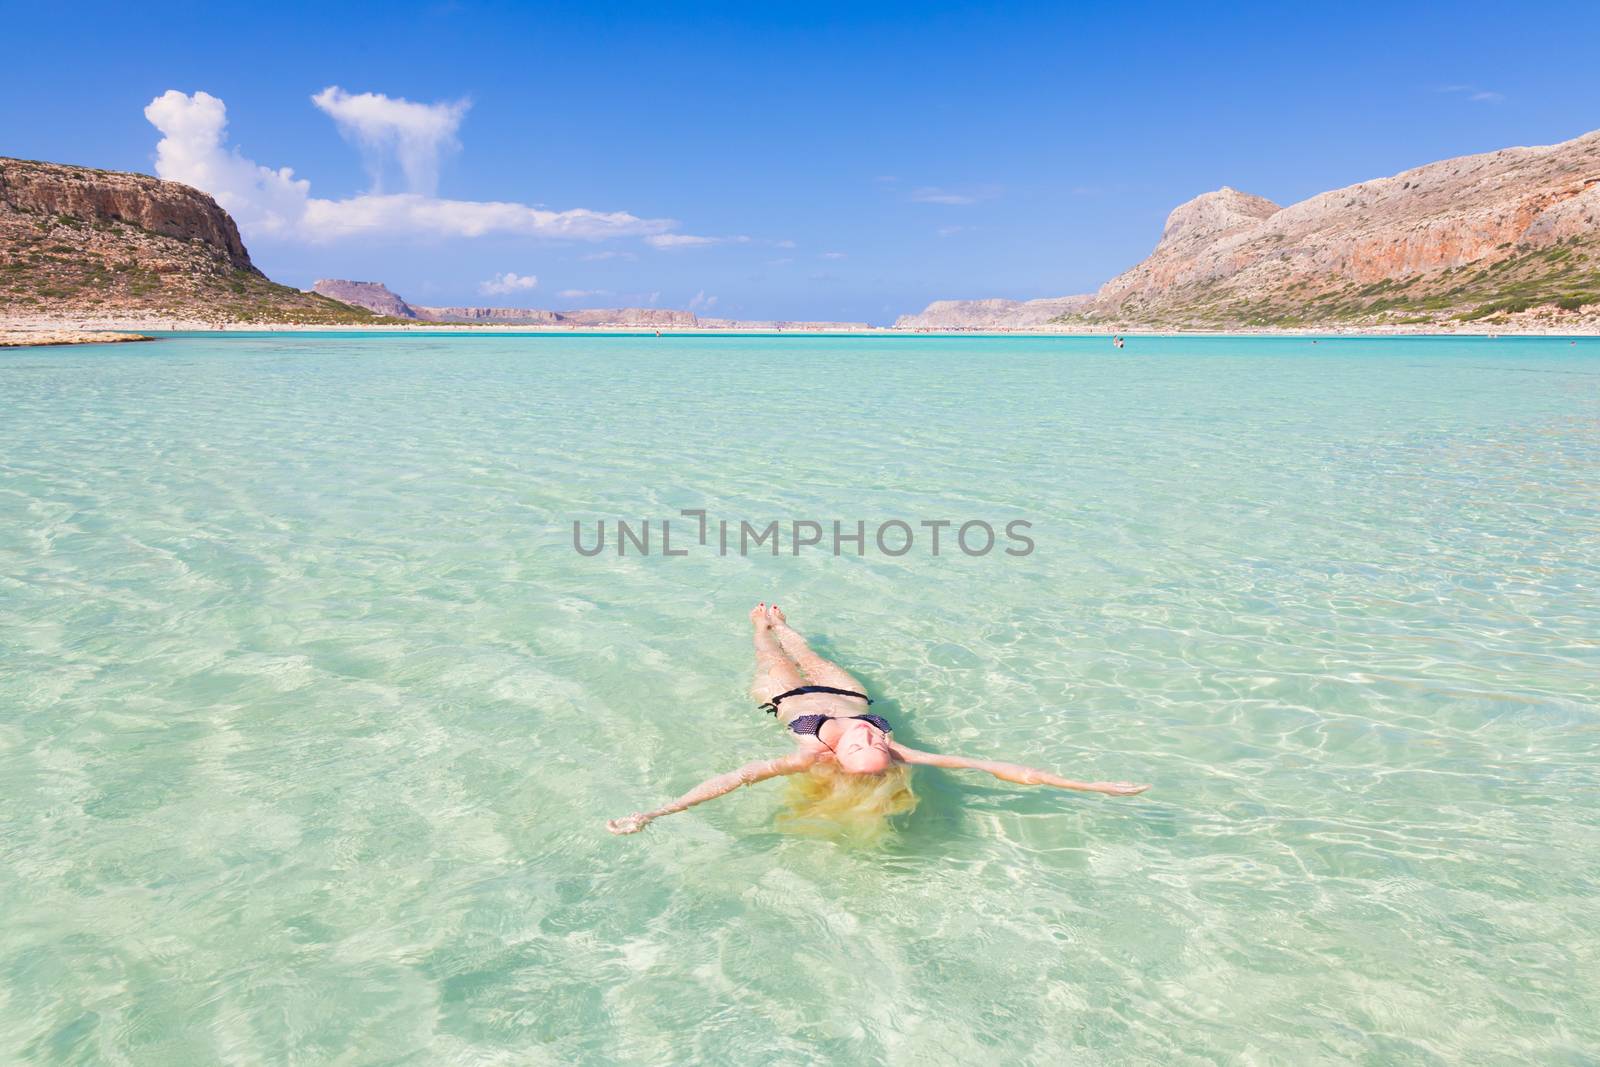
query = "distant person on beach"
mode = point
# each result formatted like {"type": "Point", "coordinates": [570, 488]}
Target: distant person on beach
{"type": "Point", "coordinates": [847, 766]}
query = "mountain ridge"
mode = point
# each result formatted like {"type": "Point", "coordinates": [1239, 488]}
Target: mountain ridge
{"type": "Point", "coordinates": [1496, 237]}
{"type": "Point", "coordinates": [378, 297]}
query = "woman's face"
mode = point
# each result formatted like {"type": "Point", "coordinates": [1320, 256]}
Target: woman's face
{"type": "Point", "coordinates": [863, 749]}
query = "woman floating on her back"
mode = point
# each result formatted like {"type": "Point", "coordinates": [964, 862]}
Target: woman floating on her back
{"type": "Point", "coordinates": [852, 763]}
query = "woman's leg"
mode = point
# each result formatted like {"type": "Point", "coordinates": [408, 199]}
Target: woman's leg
{"type": "Point", "coordinates": [818, 671]}
{"type": "Point", "coordinates": [775, 671]}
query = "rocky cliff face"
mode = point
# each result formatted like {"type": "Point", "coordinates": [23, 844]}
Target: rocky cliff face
{"type": "Point", "coordinates": [78, 243]}
{"type": "Point", "coordinates": [1199, 231]}
{"type": "Point", "coordinates": [1473, 239]}
{"type": "Point", "coordinates": [150, 204]}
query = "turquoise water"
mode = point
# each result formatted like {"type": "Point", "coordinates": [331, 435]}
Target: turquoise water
{"type": "Point", "coordinates": [311, 716]}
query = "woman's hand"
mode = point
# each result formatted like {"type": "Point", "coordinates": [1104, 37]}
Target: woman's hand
{"type": "Point", "coordinates": [629, 824]}
{"type": "Point", "coordinates": [1118, 789]}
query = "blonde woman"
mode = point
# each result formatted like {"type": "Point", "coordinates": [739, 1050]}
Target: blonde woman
{"type": "Point", "coordinates": [848, 753]}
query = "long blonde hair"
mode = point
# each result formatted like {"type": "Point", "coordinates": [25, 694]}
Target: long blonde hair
{"type": "Point", "coordinates": [829, 802]}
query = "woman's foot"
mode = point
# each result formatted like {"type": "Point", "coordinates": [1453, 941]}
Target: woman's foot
{"type": "Point", "coordinates": [776, 617]}
{"type": "Point", "coordinates": [758, 617]}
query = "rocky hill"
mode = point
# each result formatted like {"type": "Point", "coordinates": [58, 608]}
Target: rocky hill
{"type": "Point", "coordinates": [1504, 238]}
{"type": "Point", "coordinates": [374, 296]}
{"type": "Point", "coordinates": [378, 297]}
{"type": "Point", "coordinates": [78, 243]}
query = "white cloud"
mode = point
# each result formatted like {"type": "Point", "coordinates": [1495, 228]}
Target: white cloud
{"type": "Point", "coordinates": [260, 199]}
{"type": "Point", "coordinates": [701, 302]}
{"type": "Point", "coordinates": [689, 240]}
{"type": "Point", "coordinates": [401, 213]}
{"type": "Point", "coordinates": [835, 255]}
{"type": "Point", "coordinates": [267, 202]}
{"type": "Point", "coordinates": [414, 134]}
{"type": "Point", "coordinates": [508, 282]}
{"type": "Point", "coordinates": [783, 244]}
{"type": "Point", "coordinates": [579, 294]}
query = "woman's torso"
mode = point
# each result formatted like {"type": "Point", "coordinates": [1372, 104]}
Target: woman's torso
{"type": "Point", "coordinates": [806, 706]}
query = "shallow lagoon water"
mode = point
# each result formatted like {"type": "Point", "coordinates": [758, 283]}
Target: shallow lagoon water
{"type": "Point", "coordinates": [311, 716]}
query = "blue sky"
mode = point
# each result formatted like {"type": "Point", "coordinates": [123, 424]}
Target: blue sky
{"type": "Point", "coordinates": [817, 161]}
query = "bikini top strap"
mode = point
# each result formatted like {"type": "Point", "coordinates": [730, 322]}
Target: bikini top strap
{"type": "Point", "coordinates": [771, 706]}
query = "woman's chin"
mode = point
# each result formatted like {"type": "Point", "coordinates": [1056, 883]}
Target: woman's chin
{"type": "Point", "coordinates": [865, 766]}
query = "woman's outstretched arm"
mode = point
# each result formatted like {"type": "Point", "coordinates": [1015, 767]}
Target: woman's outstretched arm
{"type": "Point", "coordinates": [1011, 772]}
{"type": "Point", "coordinates": [711, 788]}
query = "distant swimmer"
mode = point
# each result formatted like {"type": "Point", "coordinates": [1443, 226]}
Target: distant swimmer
{"type": "Point", "coordinates": [848, 767]}
{"type": "Point", "coordinates": [1117, 340]}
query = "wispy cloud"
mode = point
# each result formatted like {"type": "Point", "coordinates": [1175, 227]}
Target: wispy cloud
{"type": "Point", "coordinates": [581, 294]}
{"type": "Point", "coordinates": [680, 240]}
{"type": "Point", "coordinates": [1473, 93]}
{"type": "Point", "coordinates": [835, 255]}
{"type": "Point", "coordinates": [689, 240]}
{"type": "Point", "coordinates": [274, 203]}
{"type": "Point", "coordinates": [508, 282]}
{"type": "Point", "coordinates": [414, 135]}
{"type": "Point", "coordinates": [610, 253]}
{"type": "Point", "coordinates": [701, 302]}
{"type": "Point", "coordinates": [951, 231]}
{"type": "Point", "coordinates": [932, 194]}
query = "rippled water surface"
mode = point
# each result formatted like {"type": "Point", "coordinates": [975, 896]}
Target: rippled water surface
{"type": "Point", "coordinates": [311, 716]}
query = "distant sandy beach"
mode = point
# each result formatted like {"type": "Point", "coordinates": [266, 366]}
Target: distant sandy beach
{"type": "Point", "coordinates": [86, 330]}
